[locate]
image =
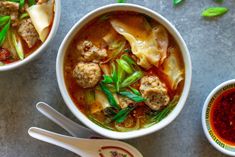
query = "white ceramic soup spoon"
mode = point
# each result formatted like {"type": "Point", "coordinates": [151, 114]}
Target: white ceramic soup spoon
{"type": "Point", "coordinates": [86, 147]}
{"type": "Point", "coordinates": [70, 126]}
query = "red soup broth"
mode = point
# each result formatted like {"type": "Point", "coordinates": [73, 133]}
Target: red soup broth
{"type": "Point", "coordinates": [223, 116]}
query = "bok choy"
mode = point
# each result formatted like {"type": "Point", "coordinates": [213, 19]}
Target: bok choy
{"type": "Point", "coordinates": [18, 46]}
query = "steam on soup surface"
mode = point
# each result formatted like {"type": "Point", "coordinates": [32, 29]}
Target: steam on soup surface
{"type": "Point", "coordinates": [24, 26]}
{"type": "Point", "coordinates": [124, 71]}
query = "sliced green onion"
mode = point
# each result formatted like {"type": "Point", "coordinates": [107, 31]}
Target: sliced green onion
{"type": "Point", "coordinates": [114, 72]}
{"type": "Point", "coordinates": [18, 46]}
{"type": "Point", "coordinates": [120, 74]}
{"type": "Point", "coordinates": [111, 87]}
{"type": "Point", "coordinates": [24, 15]}
{"type": "Point", "coordinates": [125, 66]}
{"type": "Point", "coordinates": [3, 20]}
{"type": "Point", "coordinates": [4, 31]}
{"type": "Point", "coordinates": [31, 2]}
{"type": "Point", "coordinates": [214, 11]}
{"type": "Point", "coordinates": [122, 114]}
{"type": "Point", "coordinates": [135, 91]}
{"type": "Point", "coordinates": [128, 59]}
{"type": "Point", "coordinates": [115, 76]}
{"type": "Point", "coordinates": [123, 117]}
{"type": "Point", "coordinates": [131, 79]}
{"type": "Point", "coordinates": [22, 3]}
{"type": "Point", "coordinates": [121, 1]}
{"type": "Point", "coordinates": [110, 96]}
{"type": "Point", "coordinates": [107, 79]}
{"type": "Point", "coordinates": [132, 96]}
{"type": "Point", "coordinates": [176, 2]}
{"type": "Point", "coordinates": [220, 1]}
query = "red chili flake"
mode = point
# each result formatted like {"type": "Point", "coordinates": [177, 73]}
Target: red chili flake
{"type": "Point", "coordinates": [4, 54]}
{"type": "Point", "coordinates": [223, 116]}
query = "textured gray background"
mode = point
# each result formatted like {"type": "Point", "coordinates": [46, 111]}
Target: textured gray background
{"type": "Point", "coordinates": [211, 46]}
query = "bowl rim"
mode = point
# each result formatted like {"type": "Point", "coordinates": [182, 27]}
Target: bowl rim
{"type": "Point", "coordinates": [217, 89]}
{"type": "Point", "coordinates": [70, 104]}
{"type": "Point", "coordinates": [44, 45]}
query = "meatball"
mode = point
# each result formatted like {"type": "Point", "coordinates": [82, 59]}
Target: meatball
{"type": "Point", "coordinates": [87, 75]}
{"type": "Point", "coordinates": [154, 91]}
{"type": "Point", "coordinates": [90, 53]}
{"type": "Point", "coordinates": [9, 8]}
{"type": "Point", "coordinates": [28, 32]}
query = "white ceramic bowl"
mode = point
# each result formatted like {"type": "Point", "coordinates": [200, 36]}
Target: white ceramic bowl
{"type": "Point", "coordinates": [43, 47]}
{"type": "Point", "coordinates": [60, 72]}
{"type": "Point", "coordinates": [207, 128]}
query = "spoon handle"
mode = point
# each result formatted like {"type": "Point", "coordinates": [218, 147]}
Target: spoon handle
{"type": "Point", "coordinates": [76, 145]}
{"type": "Point", "coordinates": [71, 127]}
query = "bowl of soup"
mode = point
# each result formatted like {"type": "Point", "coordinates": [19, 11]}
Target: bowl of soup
{"type": "Point", "coordinates": [218, 117]}
{"type": "Point", "coordinates": [26, 29]}
{"type": "Point", "coordinates": [124, 71]}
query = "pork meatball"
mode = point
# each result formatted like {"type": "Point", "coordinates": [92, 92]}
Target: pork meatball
{"type": "Point", "coordinates": [87, 75]}
{"type": "Point", "coordinates": [90, 53]}
{"type": "Point", "coordinates": [28, 32]}
{"type": "Point", "coordinates": [9, 8]}
{"type": "Point", "coordinates": [154, 91]}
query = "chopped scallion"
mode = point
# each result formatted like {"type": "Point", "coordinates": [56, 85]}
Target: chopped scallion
{"type": "Point", "coordinates": [125, 66]}
{"type": "Point", "coordinates": [4, 31]}
{"type": "Point", "coordinates": [107, 79]}
{"type": "Point", "coordinates": [176, 2]}
{"type": "Point", "coordinates": [109, 95]}
{"type": "Point", "coordinates": [121, 1]}
{"type": "Point", "coordinates": [214, 11]}
{"type": "Point", "coordinates": [131, 79]}
{"type": "Point", "coordinates": [132, 96]}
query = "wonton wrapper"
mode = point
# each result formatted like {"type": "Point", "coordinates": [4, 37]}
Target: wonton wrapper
{"type": "Point", "coordinates": [101, 102]}
{"type": "Point", "coordinates": [41, 16]}
{"type": "Point", "coordinates": [161, 37]}
{"type": "Point", "coordinates": [142, 39]}
{"type": "Point", "coordinates": [172, 68]}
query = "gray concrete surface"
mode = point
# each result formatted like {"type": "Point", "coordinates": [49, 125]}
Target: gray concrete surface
{"type": "Point", "coordinates": [211, 44]}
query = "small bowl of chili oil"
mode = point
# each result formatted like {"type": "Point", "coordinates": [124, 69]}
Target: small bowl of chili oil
{"type": "Point", "coordinates": [218, 117]}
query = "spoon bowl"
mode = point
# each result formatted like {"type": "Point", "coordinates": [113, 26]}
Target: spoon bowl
{"type": "Point", "coordinates": [86, 147]}
{"type": "Point", "coordinates": [70, 126]}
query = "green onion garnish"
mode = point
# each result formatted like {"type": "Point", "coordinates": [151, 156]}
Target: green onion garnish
{"type": "Point", "coordinates": [132, 96]}
{"type": "Point", "coordinates": [214, 11]}
{"type": "Point", "coordinates": [109, 95]}
{"type": "Point", "coordinates": [4, 31]}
